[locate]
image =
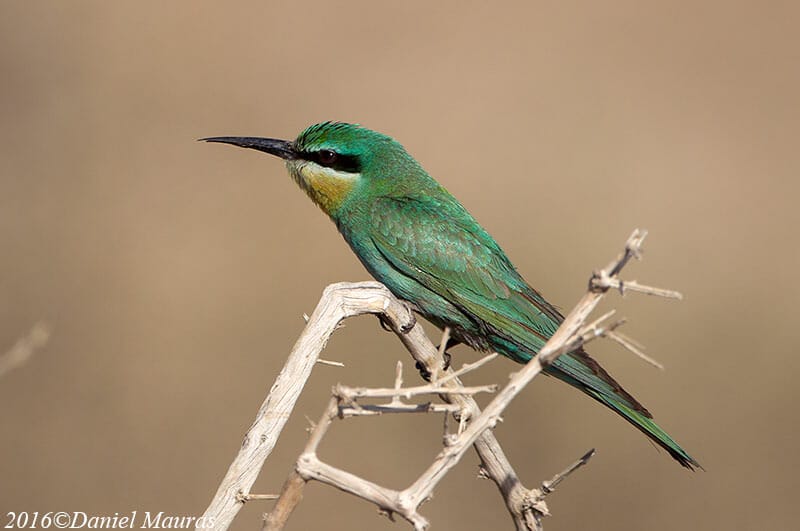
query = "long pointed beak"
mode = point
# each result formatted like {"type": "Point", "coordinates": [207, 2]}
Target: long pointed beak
{"type": "Point", "coordinates": [280, 148]}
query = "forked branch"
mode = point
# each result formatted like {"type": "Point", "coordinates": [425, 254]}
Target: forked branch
{"type": "Point", "coordinates": [345, 300]}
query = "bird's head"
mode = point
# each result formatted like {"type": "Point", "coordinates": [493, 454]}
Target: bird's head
{"type": "Point", "coordinates": [331, 160]}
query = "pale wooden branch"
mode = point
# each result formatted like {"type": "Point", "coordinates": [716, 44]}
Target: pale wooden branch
{"type": "Point", "coordinates": [572, 334]}
{"type": "Point", "coordinates": [250, 497]}
{"type": "Point", "coordinates": [367, 410]}
{"type": "Point", "coordinates": [526, 506]}
{"type": "Point", "coordinates": [338, 302]}
{"type": "Point", "coordinates": [493, 459]}
{"type": "Point", "coordinates": [351, 393]}
{"type": "Point", "coordinates": [406, 502]}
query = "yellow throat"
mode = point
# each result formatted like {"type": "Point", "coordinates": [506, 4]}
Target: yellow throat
{"type": "Point", "coordinates": [327, 187]}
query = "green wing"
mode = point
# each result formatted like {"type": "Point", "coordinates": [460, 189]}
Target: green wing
{"type": "Point", "coordinates": [442, 247]}
{"type": "Point", "coordinates": [436, 243]}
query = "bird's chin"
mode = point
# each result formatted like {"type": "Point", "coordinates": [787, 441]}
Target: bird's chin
{"type": "Point", "coordinates": [326, 187]}
{"type": "Point", "coordinates": [295, 170]}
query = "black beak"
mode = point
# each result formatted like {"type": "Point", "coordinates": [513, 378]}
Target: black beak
{"type": "Point", "coordinates": [280, 148]}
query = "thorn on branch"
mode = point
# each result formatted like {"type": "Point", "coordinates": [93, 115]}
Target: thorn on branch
{"type": "Point", "coordinates": [535, 498]}
{"type": "Point", "coordinates": [398, 384]}
{"type": "Point", "coordinates": [632, 285]}
{"type": "Point", "coordinates": [632, 346]}
{"type": "Point", "coordinates": [550, 486]}
{"type": "Point", "coordinates": [244, 498]}
{"type": "Point", "coordinates": [331, 363]}
{"type": "Point", "coordinates": [468, 367]}
{"type": "Point", "coordinates": [398, 375]}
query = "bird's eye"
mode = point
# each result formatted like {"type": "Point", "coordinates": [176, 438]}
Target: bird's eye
{"type": "Point", "coordinates": [327, 157]}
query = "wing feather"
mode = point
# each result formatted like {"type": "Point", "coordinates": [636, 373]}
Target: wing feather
{"type": "Point", "coordinates": [449, 253]}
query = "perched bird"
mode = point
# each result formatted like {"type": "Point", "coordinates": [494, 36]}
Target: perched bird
{"type": "Point", "coordinates": [419, 241]}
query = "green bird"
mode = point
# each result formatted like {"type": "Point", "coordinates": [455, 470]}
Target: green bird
{"type": "Point", "coordinates": [413, 236]}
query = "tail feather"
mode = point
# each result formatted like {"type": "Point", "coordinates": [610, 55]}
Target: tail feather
{"type": "Point", "coordinates": [649, 428]}
{"type": "Point", "coordinates": [580, 370]}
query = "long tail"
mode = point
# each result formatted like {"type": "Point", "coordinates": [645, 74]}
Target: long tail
{"type": "Point", "coordinates": [649, 428]}
{"type": "Point", "coordinates": [583, 372]}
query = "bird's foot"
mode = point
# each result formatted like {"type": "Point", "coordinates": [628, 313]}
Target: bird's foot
{"type": "Point", "coordinates": [403, 328]}
{"type": "Point", "coordinates": [384, 322]}
{"type": "Point", "coordinates": [447, 359]}
{"type": "Point", "coordinates": [424, 373]}
{"type": "Point", "coordinates": [450, 342]}
{"type": "Point", "coordinates": [412, 319]}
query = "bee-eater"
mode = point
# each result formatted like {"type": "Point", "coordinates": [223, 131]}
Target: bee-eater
{"type": "Point", "coordinates": [419, 241]}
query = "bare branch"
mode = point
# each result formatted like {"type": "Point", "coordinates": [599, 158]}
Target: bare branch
{"type": "Point", "coordinates": [632, 285]}
{"type": "Point", "coordinates": [468, 367]}
{"type": "Point", "coordinates": [379, 409]}
{"type": "Point", "coordinates": [244, 498]}
{"type": "Point", "coordinates": [353, 393]}
{"type": "Point", "coordinates": [291, 495]}
{"type": "Point", "coordinates": [550, 486]}
{"type": "Point", "coordinates": [527, 507]}
{"type": "Point", "coordinates": [338, 302]}
{"type": "Point", "coordinates": [536, 496]}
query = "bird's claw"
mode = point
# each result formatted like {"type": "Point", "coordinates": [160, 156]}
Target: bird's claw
{"type": "Point", "coordinates": [403, 328]}
{"type": "Point", "coordinates": [412, 319]}
{"type": "Point", "coordinates": [384, 322]}
{"type": "Point", "coordinates": [447, 359]}
{"type": "Point", "coordinates": [426, 374]}
{"type": "Point", "coordinates": [423, 371]}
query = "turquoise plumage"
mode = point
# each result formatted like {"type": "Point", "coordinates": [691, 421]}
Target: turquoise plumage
{"type": "Point", "coordinates": [417, 239]}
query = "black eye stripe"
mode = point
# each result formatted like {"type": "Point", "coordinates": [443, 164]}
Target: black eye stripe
{"type": "Point", "coordinates": [333, 160]}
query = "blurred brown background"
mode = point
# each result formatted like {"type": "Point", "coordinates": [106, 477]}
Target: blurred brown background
{"type": "Point", "coordinates": [174, 274]}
